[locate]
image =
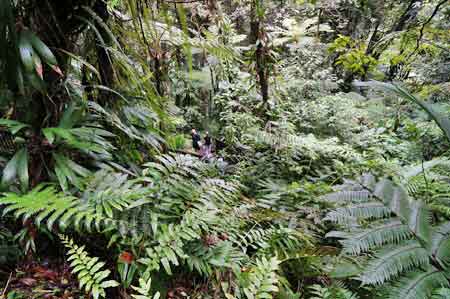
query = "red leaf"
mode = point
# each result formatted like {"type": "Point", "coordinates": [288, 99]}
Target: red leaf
{"type": "Point", "coordinates": [126, 257]}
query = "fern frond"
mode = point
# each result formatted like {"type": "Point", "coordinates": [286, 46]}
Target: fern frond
{"type": "Point", "coordinates": [44, 203]}
{"type": "Point", "coordinates": [89, 270]}
{"type": "Point", "coordinates": [394, 260]}
{"type": "Point", "coordinates": [170, 240]}
{"type": "Point", "coordinates": [418, 220]}
{"type": "Point", "coordinates": [441, 293]}
{"type": "Point", "coordinates": [440, 244]}
{"type": "Point", "coordinates": [440, 208]}
{"type": "Point", "coordinates": [331, 292]}
{"type": "Point", "coordinates": [204, 259]}
{"type": "Point", "coordinates": [418, 285]}
{"type": "Point", "coordinates": [263, 279]}
{"type": "Point", "coordinates": [369, 210]}
{"type": "Point", "coordinates": [391, 261]}
{"type": "Point", "coordinates": [363, 240]}
{"type": "Point", "coordinates": [107, 192]}
{"type": "Point", "coordinates": [412, 171]}
{"type": "Point", "coordinates": [348, 196]}
{"type": "Point", "coordinates": [144, 290]}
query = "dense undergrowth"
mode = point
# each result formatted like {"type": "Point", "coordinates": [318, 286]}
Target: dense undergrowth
{"type": "Point", "coordinates": [326, 180]}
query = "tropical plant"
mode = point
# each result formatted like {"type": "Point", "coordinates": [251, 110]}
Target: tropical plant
{"type": "Point", "coordinates": [88, 269]}
{"type": "Point", "coordinates": [441, 120]}
{"type": "Point", "coordinates": [408, 255]}
{"type": "Point", "coordinates": [95, 99]}
{"type": "Point", "coordinates": [334, 291]}
{"type": "Point", "coordinates": [144, 290]}
{"type": "Point", "coordinates": [9, 249]}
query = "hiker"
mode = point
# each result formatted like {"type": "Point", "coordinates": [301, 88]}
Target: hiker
{"type": "Point", "coordinates": [207, 139]}
{"type": "Point", "coordinates": [195, 140]}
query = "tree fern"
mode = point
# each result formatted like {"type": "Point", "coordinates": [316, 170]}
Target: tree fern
{"type": "Point", "coordinates": [91, 276]}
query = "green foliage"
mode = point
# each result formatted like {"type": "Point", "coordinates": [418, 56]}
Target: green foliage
{"type": "Point", "coordinates": [335, 292]}
{"type": "Point", "coordinates": [441, 120]}
{"type": "Point", "coordinates": [90, 147]}
{"type": "Point", "coordinates": [9, 249]}
{"type": "Point", "coordinates": [406, 249]}
{"type": "Point", "coordinates": [177, 142]}
{"type": "Point", "coordinates": [23, 53]}
{"type": "Point", "coordinates": [72, 134]}
{"type": "Point", "coordinates": [17, 167]}
{"type": "Point", "coordinates": [260, 281]}
{"type": "Point", "coordinates": [109, 193]}
{"type": "Point", "coordinates": [338, 115]}
{"type": "Point", "coordinates": [441, 293]}
{"type": "Point", "coordinates": [144, 290]}
{"type": "Point", "coordinates": [352, 55]}
{"type": "Point", "coordinates": [45, 204]}
{"type": "Point", "coordinates": [88, 269]}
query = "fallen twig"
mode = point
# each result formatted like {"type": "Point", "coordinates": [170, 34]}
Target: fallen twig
{"type": "Point", "coordinates": [7, 284]}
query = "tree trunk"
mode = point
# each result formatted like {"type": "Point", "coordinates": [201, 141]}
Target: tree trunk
{"type": "Point", "coordinates": [406, 19]}
{"type": "Point", "coordinates": [258, 38]}
{"type": "Point", "coordinates": [104, 59]}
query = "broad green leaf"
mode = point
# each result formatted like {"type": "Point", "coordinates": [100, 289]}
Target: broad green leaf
{"type": "Point", "coordinates": [41, 48]}
{"type": "Point", "coordinates": [166, 265]}
{"type": "Point", "coordinates": [14, 167]}
{"type": "Point", "coordinates": [13, 125]}
{"type": "Point", "coordinates": [22, 168]}
{"type": "Point", "coordinates": [109, 284]}
{"type": "Point", "coordinates": [26, 52]}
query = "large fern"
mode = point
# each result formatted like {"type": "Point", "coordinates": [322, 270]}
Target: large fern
{"type": "Point", "coordinates": [407, 251]}
{"type": "Point", "coordinates": [46, 204]}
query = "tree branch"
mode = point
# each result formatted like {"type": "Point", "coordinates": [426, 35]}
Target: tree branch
{"type": "Point", "coordinates": [419, 39]}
